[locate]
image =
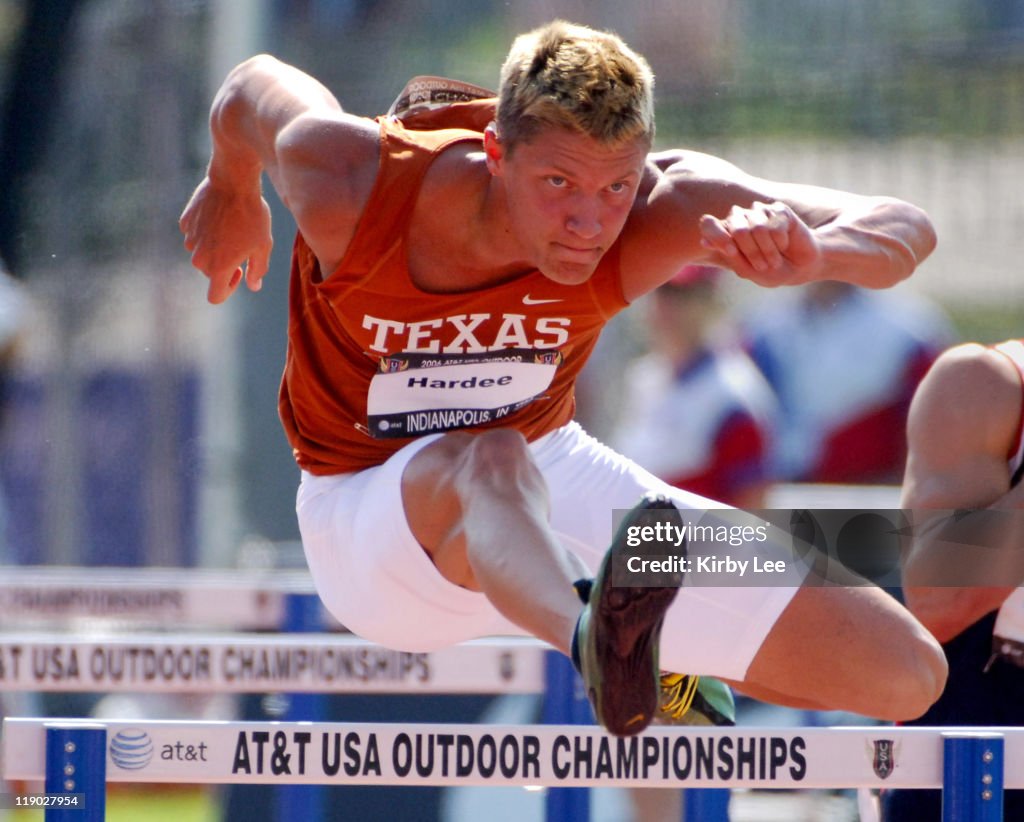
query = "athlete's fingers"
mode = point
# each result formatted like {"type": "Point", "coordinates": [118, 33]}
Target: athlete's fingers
{"type": "Point", "coordinates": [769, 231]}
{"type": "Point", "coordinates": [256, 269]}
{"type": "Point", "coordinates": [716, 237]}
{"type": "Point", "coordinates": [744, 227]}
{"type": "Point", "coordinates": [759, 234]}
{"type": "Point", "coordinates": [222, 287]}
{"type": "Point", "coordinates": [781, 221]}
{"type": "Point", "coordinates": [187, 222]}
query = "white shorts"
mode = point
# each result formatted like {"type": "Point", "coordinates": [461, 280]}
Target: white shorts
{"type": "Point", "coordinates": [376, 579]}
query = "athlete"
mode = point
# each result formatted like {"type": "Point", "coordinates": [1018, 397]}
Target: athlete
{"type": "Point", "coordinates": [454, 264]}
{"type": "Point", "coordinates": [964, 572]}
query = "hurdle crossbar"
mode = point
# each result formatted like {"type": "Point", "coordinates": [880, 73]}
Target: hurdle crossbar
{"type": "Point", "coordinates": [339, 753]}
{"type": "Point", "coordinates": [32, 597]}
{"type": "Point", "coordinates": [253, 663]}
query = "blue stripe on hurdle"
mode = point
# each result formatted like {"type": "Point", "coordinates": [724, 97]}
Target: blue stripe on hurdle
{"type": "Point", "coordinates": [303, 614]}
{"type": "Point", "coordinates": [706, 804]}
{"type": "Point", "coordinates": [565, 704]}
{"type": "Point", "coordinates": [76, 762]}
{"type": "Point", "coordinates": [972, 777]}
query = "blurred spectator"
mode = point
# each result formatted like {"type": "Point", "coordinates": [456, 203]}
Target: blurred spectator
{"type": "Point", "coordinates": [844, 362]}
{"type": "Point", "coordinates": [697, 412]}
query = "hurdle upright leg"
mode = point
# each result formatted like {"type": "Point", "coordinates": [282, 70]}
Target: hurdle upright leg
{"type": "Point", "coordinates": [303, 614]}
{"type": "Point", "coordinates": [706, 804]}
{"type": "Point", "coordinates": [76, 764]}
{"type": "Point", "coordinates": [972, 776]}
{"type": "Point", "coordinates": [564, 704]}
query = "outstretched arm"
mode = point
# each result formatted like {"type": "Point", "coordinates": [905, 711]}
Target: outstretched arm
{"type": "Point", "coordinates": [269, 116]}
{"type": "Point", "coordinates": [699, 208]}
{"type": "Point", "coordinates": [962, 423]}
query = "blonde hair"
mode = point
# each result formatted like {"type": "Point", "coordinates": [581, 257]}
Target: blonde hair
{"type": "Point", "coordinates": [575, 77]}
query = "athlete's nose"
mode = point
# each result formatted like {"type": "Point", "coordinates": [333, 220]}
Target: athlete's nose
{"type": "Point", "coordinates": [584, 219]}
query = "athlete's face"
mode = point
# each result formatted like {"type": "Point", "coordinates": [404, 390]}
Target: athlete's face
{"type": "Point", "coordinates": [568, 197]}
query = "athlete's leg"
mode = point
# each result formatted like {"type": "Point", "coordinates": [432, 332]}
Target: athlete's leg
{"type": "Point", "coordinates": [850, 647]}
{"type": "Point", "coordinates": [847, 646]}
{"type": "Point", "coordinates": [479, 507]}
{"type": "Point", "coordinates": [481, 513]}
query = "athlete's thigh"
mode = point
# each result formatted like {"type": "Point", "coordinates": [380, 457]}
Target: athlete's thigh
{"type": "Point", "coordinates": [708, 630]}
{"type": "Point", "coordinates": [373, 575]}
{"type": "Point", "coordinates": [589, 482]}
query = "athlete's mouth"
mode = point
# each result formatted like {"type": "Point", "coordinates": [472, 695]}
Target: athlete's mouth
{"type": "Point", "coordinates": [577, 253]}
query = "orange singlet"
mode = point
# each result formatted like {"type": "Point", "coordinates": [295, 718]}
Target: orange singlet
{"type": "Point", "coordinates": [374, 362]}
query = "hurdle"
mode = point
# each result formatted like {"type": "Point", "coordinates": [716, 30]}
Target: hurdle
{"type": "Point", "coordinates": [77, 758]}
{"type": "Point", "coordinates": [113, 613]}
{"type": "Point", "coordinates": [233, 663]}
{"type": "Point", "coordinates": [246, 663]}
{"type": "Point", "coordinates": [113, 646]}
{"type": "Point", "coordinates": [239, 600]}
{"type": "Point", "coordinates": [310, 664]}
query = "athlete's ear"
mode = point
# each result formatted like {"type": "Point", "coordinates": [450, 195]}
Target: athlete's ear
{"type": "Point", "coordinates": [494, 151]}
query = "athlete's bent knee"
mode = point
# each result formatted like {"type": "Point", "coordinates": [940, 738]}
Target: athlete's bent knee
{"type": "Point", "coordinates": [497, 458]}
{"type": "Point", "coordinates": [917, 679]}
{"type": "Point", "coordinates": [932, 670]}
{"type": "Point", "coordinates": [498, 447]}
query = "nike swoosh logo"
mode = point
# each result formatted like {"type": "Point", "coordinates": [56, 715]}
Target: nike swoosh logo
{"type": "Point", "coordinates": [528, 300]}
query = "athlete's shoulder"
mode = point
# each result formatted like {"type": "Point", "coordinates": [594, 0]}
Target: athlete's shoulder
{"type": "Point", "coordinates": [328, 165]}
{"type": "Point", "coordinates": [686, 176]}
{"type": "Point", "coordinates": [689, 164]}
{"type": "Point", "coordinates": [971, 394]}
{"type": "Point", "coordinates": [975, 367]}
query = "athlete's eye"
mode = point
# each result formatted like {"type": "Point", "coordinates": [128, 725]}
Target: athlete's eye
{"type": "Point", "coordinates": [558, 182]}
{"type": "Point", "coordinates": [618, 188]}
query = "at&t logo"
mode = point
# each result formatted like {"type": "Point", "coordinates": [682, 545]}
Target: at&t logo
{"type": "Point", "coordinates": [131, 749]}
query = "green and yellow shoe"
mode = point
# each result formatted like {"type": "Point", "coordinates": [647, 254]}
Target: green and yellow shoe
{"type": "Point", "coordinates": [618, 634]}
{"type": "Point", "coordinates": [694, 700]}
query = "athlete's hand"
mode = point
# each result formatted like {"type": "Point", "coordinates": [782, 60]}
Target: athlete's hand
{"type": "Point", "coordinates": [766, 243]}
{"type": "Point", "coordinates": [229, 236]}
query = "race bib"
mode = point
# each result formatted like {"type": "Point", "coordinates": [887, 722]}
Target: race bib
{"type": "Point", "coordinates": [407, 399]}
